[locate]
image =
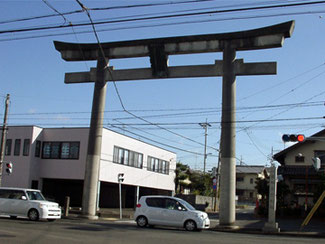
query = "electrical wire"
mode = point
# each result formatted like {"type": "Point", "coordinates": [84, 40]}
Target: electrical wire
{"type": "Point", "coordinates": [160, 17]}
{"type": "Point", "coordinates": [97, 9]}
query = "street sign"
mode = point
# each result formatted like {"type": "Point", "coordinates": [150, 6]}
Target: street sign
{"type": "Point", "coordinates": [214, 183]}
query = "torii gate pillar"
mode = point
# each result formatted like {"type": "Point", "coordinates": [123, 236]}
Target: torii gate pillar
{"type": "Point", "coordinates": [228, 140]}
{"type": "Point", "coordinates": [89, 197]}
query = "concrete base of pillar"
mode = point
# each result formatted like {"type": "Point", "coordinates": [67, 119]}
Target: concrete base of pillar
{"type": "Point", "coordinates": [270, 227]}
{"type": "Point", "coordinates": [90, 217]}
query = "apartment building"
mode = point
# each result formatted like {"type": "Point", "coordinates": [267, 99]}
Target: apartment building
{"type": "Point", "coordinates": [53, 160]}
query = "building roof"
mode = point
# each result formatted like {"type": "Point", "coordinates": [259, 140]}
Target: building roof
{"type": "Point", "coordinates": [294, 170]}
{"type": "Point", "coordinates": [250, 169]}
{"type": "Point", "coordinates": [280, 156]}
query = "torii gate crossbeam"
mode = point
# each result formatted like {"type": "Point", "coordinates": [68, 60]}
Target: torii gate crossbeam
{"type": "Point", "coordinates": [158, 50]}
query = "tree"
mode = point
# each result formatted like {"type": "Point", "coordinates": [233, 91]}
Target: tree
{"type": "Point", "coordinates": [201, 184]}
{"type": "Point", "coordinates": [282, 191]}
{"type": "Point", "coordinates": [262, 188]}
{"type": "Point", "coordinates": [181, 173]}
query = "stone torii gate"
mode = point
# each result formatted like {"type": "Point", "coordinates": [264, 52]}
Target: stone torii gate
{"type": "Point", "coordinates": [158, 50]}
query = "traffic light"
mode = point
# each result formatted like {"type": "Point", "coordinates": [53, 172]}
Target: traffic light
{"type": "Point", "coordinates": [293, 137]}
{"type": "Point", "coordinates": [9, 168]}
{"type": "Point", "coordinates": [120, 177]}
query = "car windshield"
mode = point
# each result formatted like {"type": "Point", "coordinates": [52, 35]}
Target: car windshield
{"type": "Point", "coordinates": [186, 204]}
{"type": "Point", "coordinates": [35, 195]}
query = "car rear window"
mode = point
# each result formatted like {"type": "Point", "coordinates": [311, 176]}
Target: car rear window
{"type": "Point", "coordinates": [156, 202]}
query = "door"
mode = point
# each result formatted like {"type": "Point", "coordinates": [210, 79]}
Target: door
{"type": "Point", "coordinates": [4, 201]}
{"type": "Point", "coordinates": [174, 213]}
{"type": "Point", "coordinates": [19, 206]}
{"type": "Point", "coordinates": [154, 210]}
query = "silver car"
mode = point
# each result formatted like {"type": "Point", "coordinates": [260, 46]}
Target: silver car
{"type": "Point", "coordinates": [21, 202]}
{"type": "Point", "coordinates": [169, 211]}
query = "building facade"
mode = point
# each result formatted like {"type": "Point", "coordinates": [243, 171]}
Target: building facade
{"type": "Point", "coordinates": [246, 177]}
{"type": "Point", "coordinates": [298, 171]}
{"type": "Point", "coordinates": [53, 160]}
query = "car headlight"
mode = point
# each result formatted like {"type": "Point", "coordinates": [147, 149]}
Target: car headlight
{"type": "Point", "coordinates": [43, 205]}
{"type": "Point", "coordinates": [201, 216]}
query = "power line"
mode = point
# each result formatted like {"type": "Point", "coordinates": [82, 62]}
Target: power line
{"type": "Point", "coordinates": [208, 109]}
{"type": "Point", "coordinates": [96, 9]}
{"type": "Point", "coordinates": [161, 17]}
{"type": "Point", "coordinates": [159, 125]}
{"type": "Point", "coordinates": [281, 82]}
{"type": "Point", "coordinates": [165, 24]}
{"type": "Point", "coordinates": [141, 5]}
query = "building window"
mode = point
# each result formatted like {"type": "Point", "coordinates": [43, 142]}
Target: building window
{"type": "Point", "coordinates": [60, 150]}
{"type": "Point", "coordinates": [300, 159]}
{"type": "Point", "coordinates": [127, 157]}
{"type": "Point", "coordinates": [17, 147]}
{"type": "Point", "coordinates": [26, 147]}
{"type": "Point", "coordinates": [239, 192]}
{"type": "Point", "coordinates": [38, 149]}
{"type": "Point", "coordinates": [8, 147]}
{"type": "Point", "coordinates": [240, 179]}
{"type": "Point", "coordinates": [157, 165]}
{"type": "Point", "coordinates": [251, 180]}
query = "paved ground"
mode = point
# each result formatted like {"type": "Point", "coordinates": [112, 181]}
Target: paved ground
{"type": "Point", "coordinates": [246, 221]}
{"type": "Point", "coordinates": [79, 231]}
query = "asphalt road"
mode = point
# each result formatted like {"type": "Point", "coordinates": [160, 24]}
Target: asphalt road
{"type": "Point", "coordinates": [83, 231]}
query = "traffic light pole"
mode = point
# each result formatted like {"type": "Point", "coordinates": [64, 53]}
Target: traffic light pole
{"type": "Point", "coordinates": [3, 137]}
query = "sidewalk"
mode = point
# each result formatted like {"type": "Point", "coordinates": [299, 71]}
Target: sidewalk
{"type": "Point", "coordinates": [248, 222]}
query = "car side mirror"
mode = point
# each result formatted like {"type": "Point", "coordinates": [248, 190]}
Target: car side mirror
{"type": "Point", "coordinates": [23, 198]}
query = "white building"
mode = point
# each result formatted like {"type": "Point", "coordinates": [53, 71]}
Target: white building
{"type": "Point", "coordinates": [53, 160]}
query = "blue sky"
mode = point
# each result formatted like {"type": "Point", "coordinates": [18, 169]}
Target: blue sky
{"type": "Point", "coordinates": [32, 72]}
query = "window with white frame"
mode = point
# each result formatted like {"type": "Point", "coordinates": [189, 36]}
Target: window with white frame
{"type": "Point", "coordinates": [127, 157]}
{"type": "Point", "coordinates": [60, 150]}
{"type": "Point", "coordinates": [8, 147]}
{"type": "Point", "coordinates": [17, 147]}
{"type": "Point", "coordinates": [158, 165]}
{"type": "Point", "coordinates": [26, 147]}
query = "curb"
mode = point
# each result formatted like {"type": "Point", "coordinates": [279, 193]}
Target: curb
{"type": "Point", "coordinates": [261, 232]}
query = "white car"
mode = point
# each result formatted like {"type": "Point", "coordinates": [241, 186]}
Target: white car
{"type": "Point", "coordinates": [20, 202]}
{"type": "Point", "coordinates": [169, 211]}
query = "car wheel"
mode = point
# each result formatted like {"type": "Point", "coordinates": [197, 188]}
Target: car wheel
{"type": "Point", "coordinates": [33, 215]}
{"type": "Point", "coordinates": [190, 225]}
{"type": "Point", "coordinates": [142, 221]}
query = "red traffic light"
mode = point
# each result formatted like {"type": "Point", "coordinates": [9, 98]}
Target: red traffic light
{"type": "Point", "coordinates": [293, 137]}
{"type": "Point", "coordinates": [300, 138]}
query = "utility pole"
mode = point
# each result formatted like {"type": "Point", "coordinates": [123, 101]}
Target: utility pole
{"type": "Point", "coordinates": [205, 127]}
{"type": "Point", "coordinates": [3, 136]}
